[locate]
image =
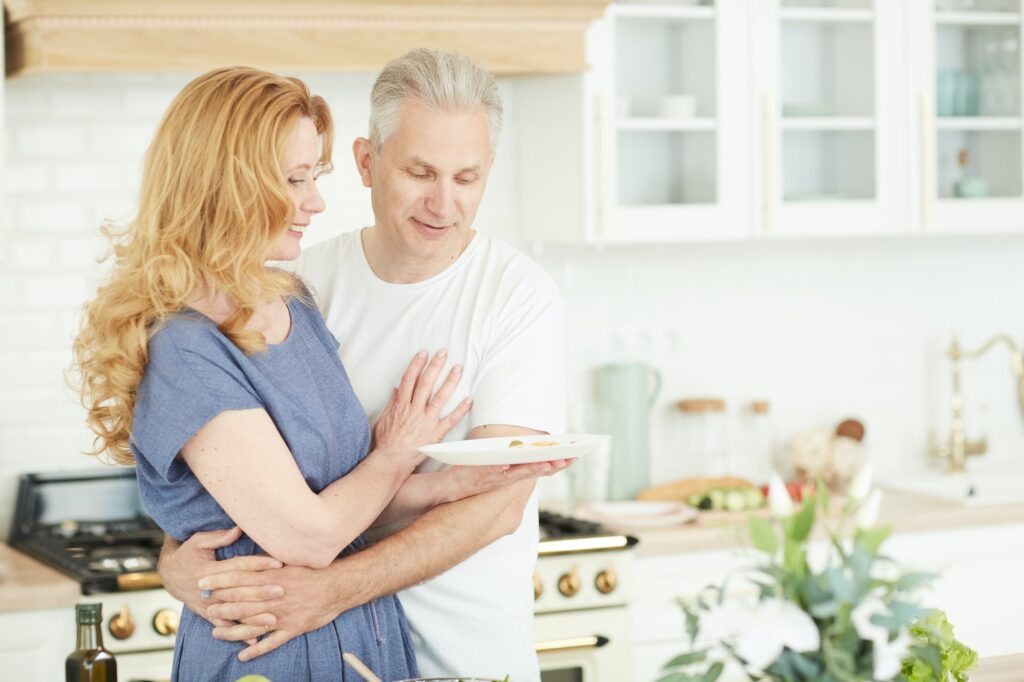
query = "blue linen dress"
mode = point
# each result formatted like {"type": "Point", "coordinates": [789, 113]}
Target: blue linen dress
{"type": "Point", "coordinates": [194, 372]}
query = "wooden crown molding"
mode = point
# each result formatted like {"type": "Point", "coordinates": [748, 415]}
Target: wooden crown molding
{"type": "Point", "coordinates": [509, 36]}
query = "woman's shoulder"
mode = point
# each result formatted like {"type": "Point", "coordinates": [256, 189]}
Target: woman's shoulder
{"type": "Point", "coordinates": [186, 332]}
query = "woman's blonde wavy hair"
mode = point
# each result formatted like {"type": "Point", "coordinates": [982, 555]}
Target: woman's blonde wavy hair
{"type": "Point", "coordinates": [213, 202]}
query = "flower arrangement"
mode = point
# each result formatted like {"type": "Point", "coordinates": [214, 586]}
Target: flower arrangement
{"type": "Point", "coordinates": [853, 618]}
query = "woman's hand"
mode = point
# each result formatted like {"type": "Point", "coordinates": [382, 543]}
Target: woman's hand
{"type": "Point", "coordinates": [413, 416]}
{"type": "Point", "coordinates": [464, 481]}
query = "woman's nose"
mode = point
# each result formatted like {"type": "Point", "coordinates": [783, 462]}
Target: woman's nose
{"type": "Point", "coordinates": [314, 203]}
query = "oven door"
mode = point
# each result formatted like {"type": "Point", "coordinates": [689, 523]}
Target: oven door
{"type": "Point", "coordinates": [591, 645]}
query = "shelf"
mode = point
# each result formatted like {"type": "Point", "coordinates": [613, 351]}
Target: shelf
{"type": "Point", "coordinates": [977, 123]}
{"type": "Point", "coordinates": [827, 123]}
{"type": "Point", "coordinates": [977, 18]}
{"type": "Point", "coordinates": [827, 15]}
{"type": "Point", "coordinates": [662, 124]}
{"type": "Point", "coordinates": [700, 13]}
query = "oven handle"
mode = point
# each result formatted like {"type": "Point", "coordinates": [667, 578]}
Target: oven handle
{"type": "Point", "coordinates": [589, 642]}
{"type": "Point", "coordinates": [139, 581]}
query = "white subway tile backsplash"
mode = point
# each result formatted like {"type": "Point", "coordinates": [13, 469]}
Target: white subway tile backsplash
{"type": "Point", "coordinates": [147, 103]}
{"type": "Point", "coordinates": [42, 408]}
{"type": "Point", "coordinates": [88, 177]}
{"type": "Point", "coordinates": [32, 254]}
{"type": "Point", "coordinates": [26, 178]}
{"type": "Point", "coordinates": [59, 215]}
{"type": "Point", "coordinates": [54, 141]}
{"type": "Point", "coordinates": [81, 253]}
{"type": "Point", "coordinates": [56, 290]}
{"type": "Point", "coordinates": [83, 103]}
{"type": "Point", "coordinates": [122, 140]}
{"type": "Point", "coordinates": [24, 330]}
{"type": "Point", "coordinates": [25, 103]}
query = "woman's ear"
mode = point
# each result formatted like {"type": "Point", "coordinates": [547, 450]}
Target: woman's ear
{"type": "Point", "coordinates": [363, 153]}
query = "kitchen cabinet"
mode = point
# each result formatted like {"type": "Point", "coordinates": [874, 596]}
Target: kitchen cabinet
{"type": "Point", "coordinates": [34, 644]}
{"type": "Point", "coordinates": [830, 137]}
{"type": "Point", "coordinates": [760, 119]}
{"type": "Point", "coordinates": [966, 78]}
{"type": "Point", "coordinates": [979, 567]}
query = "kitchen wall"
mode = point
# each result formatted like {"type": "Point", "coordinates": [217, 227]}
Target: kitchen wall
{"type": "Point", "coordinates": [823, 329]}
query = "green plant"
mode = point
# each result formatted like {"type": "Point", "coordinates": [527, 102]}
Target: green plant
{"type": "Point", "coordinates": [846, 614]}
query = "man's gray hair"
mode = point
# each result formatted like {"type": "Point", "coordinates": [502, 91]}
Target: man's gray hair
{"type": "Point", "coordinates": [439, 80]}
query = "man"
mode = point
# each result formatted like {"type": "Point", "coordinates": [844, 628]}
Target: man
{"type": "Point", "coordinates": [421, 277]}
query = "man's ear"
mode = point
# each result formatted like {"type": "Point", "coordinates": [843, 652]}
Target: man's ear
{"type": "Point", "coordinates": [363, 154]}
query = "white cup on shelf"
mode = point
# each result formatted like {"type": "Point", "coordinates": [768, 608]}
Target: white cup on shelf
{"type": "Point", "coordinates": [679, 106]}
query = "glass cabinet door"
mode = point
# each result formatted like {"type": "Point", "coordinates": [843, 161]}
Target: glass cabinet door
{"type": "Point", "coordinates": [831, 92]}
{"type": "Point", "coordinates": [675, 130]}
{"type": "Point", "coordinates": [970, 115]}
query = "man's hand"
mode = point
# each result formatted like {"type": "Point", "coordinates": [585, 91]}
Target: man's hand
{"type": "Point", "coordinates": [302, 608]}
{"type": "Point", "coordinates": [464, 481]}
{"type": "Point", "coordinates": [183, 564]}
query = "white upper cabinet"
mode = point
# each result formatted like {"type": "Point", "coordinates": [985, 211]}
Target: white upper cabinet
{"type": "Point", "coordinates": [739, 119]}
{"type": "Point", "coordinates": [676, 134]}
{"type": "Point", "coordinates": [830, 79]}
{"type": "Point", "coordinates": [966, 70]}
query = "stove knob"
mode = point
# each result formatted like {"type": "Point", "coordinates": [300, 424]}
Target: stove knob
{"type": "Point", "coordinates": [606, 581]}
{"type": "Point", "coordinates": [165, 622]}
{"type": "Point", "coordinates": [538, 587]}
{"type": "Point", "coordinates": [122, 625]}
{"type": "Point", "coordinates": [569, 583]}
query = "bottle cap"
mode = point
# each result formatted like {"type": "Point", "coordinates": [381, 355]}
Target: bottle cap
{"type": "Point", "coordinates": [87, 614]}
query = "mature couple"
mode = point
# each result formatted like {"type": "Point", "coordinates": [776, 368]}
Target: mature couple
{"type": "Point", "coordinates": [219, 378]}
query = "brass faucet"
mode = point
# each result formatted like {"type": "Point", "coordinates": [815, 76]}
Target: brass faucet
{"type": "Point", "coordinates": [958, 448]}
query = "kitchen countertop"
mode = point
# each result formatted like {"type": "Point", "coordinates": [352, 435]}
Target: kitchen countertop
{"type": "Point", "coordinates": [905, 512]}
{"type": "Point", "coordinates": [26, 584]}
{"type": "Point", "coordinates": [999, 669]}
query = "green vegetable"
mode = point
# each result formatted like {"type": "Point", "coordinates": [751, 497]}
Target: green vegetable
{"type": "Point", "coordinates": [727, 499]}
{"type": "Point", "coordinates": [935, 633]}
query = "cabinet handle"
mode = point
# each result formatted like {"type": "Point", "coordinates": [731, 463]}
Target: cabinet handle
{"type": "Point", "coordinates": [589, 642]}
{"type": "Point", "coordinates": [927, 162]}
{"type": "Point", "coordinates": [770, 167]}
{"type": "Point", "coordinates": [602, 167]}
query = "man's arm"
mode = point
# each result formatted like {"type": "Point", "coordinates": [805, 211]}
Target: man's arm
{"type": "Point", "coordinates": [436, 541]}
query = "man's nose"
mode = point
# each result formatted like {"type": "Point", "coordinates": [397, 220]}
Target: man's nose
{"type": "Point", "coordinates": [441, 200]}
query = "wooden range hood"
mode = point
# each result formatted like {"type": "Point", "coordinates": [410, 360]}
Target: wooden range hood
{"type": "Point", "coordinates": [509, 36]}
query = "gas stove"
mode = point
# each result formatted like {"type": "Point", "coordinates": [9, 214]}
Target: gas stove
{"type": "Point", "coordinates": [90, 526]}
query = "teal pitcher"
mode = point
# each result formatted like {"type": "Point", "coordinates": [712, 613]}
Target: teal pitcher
{"type": "Point", "coordinates": [625, 394]}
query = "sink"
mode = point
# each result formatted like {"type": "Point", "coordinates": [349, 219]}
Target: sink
{"type": "Point", "coordinates": [971, 489]}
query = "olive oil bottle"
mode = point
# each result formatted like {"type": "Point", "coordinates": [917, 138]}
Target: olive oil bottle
{"type": "Point", "coordinates": [90, 662]}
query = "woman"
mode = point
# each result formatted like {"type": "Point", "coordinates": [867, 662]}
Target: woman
{"type": "Point", "coordinates": [216, 376]}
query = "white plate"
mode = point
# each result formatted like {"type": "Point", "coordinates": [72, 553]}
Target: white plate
{"type": "Point", "coordinates": [630, 515]}
{"type": "Point", "coordinates": [488, 451]}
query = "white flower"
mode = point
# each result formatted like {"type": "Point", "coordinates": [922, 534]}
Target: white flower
{"type": "Point", "coordinates": [867, 515]}
{"type": "Point", "coordinates": [726, 620]}
{"type": "Point", "coordinates": [779, 501]}
{"type": "Point", "coordinates": [861, 618]}
{"type": "Point", "coordinates": [888, 656]}
{"type": "Point", "coordinates": [860, 486]}
{"type": "Point", "coordinates": [776, 624]}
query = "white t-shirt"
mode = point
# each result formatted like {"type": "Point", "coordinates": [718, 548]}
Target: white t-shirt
{"type": "Point", "coordinates": [499, 315]}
